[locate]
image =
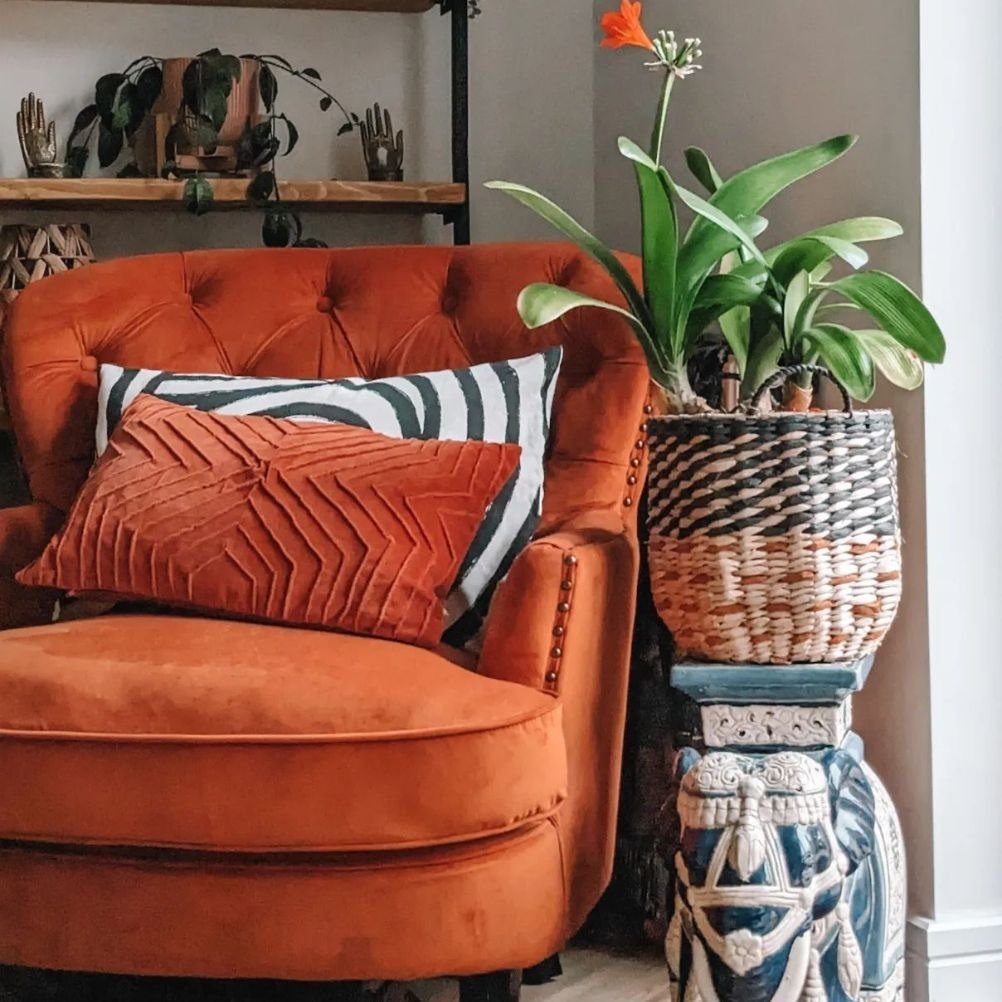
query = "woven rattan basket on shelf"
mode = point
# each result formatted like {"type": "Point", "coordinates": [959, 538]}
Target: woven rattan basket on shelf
{"type": "Point", "coordinates": [29, 253]}
{"type": "Point", "coordinates": [774, 538]}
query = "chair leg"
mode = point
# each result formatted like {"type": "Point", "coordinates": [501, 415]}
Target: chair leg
{"type": "Point", "coordinates": [503, 986]}
{"type": "Point", "coordinates": [544, 972]}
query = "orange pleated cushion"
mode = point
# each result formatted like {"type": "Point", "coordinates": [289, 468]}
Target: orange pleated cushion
{"type": "Point", "coordinates": [307, 524]}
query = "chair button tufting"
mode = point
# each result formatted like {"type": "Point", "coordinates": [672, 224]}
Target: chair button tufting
{"type": "Point", "coordinates": [325, 304]}
{"type": "Point", "coordinates": [88, 363]}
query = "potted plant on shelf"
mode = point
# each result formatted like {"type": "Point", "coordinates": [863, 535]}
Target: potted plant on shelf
{"type": "Point", "coordinates": [185, 117]}
{"type": "Point", "coordinates": [774, 536]}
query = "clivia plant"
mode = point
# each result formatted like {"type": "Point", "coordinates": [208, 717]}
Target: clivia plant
{"type": "Point", "coordinates": [710, 281]}
{"type": "Point", "coordinates": [123, 102]}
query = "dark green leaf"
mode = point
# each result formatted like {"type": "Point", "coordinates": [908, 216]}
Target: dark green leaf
{"type": "Point", "coordinates": [198, 195]}
{"type": "Point", "coordinates": [897, 310]}
{"type": "Point", "coordinates": [899, 365]}
{"type": "Point", "coordinates": [276, 230]}
{"type": "Point", "coordinates": [86, 118]}
{"type": "Point", "coordinates": [148, 88]}
{"type": "Point", "coordinates": [281, 60]}
{"type": "Point", "coordinates": [325, 103]}
{"type": "Point", "coordinates": [262, 187]}
{"type": "Point", "coordinates": [311, 73]}
{"type": "Point", "coordinates": [347, 127]}
{"type": "Point", "coordinates": [105, 91]}
{"type": "Point", "coordinates": [268, 86]}
{"type": "Point", "coordinates": [309, 242]}
{"type": "Point", "coordinates": [293, 135]}
{"type": "Point", "coordinates": [727, 291]}
{"type": "Point", "coordinates": [109, 146]}
{"type": "Point", "coordinates": [76, 161]}
{"type": "Point", "coordinates": [702, 169]}
{"type": "Point", "coordinates": [763, 360]}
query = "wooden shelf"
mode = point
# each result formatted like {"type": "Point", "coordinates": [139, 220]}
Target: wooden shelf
{"type": "Point", "coordinates": [230, 193]}
{"type": "Point", "coordinates": [372, 6]}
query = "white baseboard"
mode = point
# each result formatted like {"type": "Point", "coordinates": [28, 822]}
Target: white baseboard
{"type": "Point", "coordinates": [956, 960]}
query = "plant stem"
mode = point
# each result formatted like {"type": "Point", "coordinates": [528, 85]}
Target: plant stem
{"type": "Point", "coordinates": [658, 138]}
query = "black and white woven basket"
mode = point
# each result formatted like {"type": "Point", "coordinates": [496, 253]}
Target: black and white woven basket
{"type": "Point", "coordinates": [774, 538]}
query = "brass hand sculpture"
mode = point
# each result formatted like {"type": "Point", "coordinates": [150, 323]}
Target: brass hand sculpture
{"type": "Point", "coordinates": [38, 140]}
{"type": "Point", "coordinates": [384, 154]}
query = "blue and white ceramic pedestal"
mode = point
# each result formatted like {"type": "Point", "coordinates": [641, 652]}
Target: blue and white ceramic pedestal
{"type": "Point", "coordinates": [790, 870]}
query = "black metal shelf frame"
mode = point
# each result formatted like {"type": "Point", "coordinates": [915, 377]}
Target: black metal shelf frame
{"type": "Point", "coordinates": [459, 12]}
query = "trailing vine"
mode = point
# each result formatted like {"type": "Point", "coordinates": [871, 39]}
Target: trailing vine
{"type": "Point", "coordinates": [123, 102]}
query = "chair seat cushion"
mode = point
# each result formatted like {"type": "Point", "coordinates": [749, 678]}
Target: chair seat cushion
{"type": "Point", "coordinates": [175, 731]}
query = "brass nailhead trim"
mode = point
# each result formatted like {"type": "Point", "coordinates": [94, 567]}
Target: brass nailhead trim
{"type": "Point", "coordinates": [628, 502]}
{"type": "Point", "coordinates": [631, 480]}
{"type": "Point", "coordinates": [570, 560]}
{"type": "Point", "coordinates": [635, 463]}
{"type": "Point", "coordinates": [566, 585]}
{"type": "Point", "coordinates": [551, 676]}
{"type": "Point", "coordinates": [643, 427]}
{"type": "Point", "coordinates": [557, 652]}
{"type": "Point", "coordinates": [564, 607]}
{"type": "Point", "coordinates": [640, 443]}
{"type": "Point", "coordinates": [648, 409]}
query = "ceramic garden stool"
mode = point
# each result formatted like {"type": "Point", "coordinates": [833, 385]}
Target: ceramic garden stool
{"type": "Point", "coordinates": [789, 862]}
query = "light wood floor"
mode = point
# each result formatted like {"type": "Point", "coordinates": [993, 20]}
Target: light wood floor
{"type": "Point", "coordinates": [589, 976]}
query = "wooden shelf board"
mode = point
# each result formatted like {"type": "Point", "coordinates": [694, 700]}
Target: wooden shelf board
{"type": "Point", "coordinates": [372, 6]}
{"type": "Point", "coordinates": [230, 193]}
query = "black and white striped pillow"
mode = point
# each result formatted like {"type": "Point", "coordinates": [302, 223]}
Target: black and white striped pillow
{"type": "Point", "coordinates": [497, 402]}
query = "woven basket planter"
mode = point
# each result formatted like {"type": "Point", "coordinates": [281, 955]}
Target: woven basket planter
{"type": "Point", "coordinates": [774, 539]}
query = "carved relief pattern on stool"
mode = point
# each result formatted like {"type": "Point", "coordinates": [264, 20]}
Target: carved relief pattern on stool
{"type": "Point", "coordinates": [797, 726]}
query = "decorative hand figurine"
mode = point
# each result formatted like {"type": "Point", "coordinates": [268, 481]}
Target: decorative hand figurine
{"type": "Point", "coordinates": [38, 140]}
{"type": "Point", "coordinates": [384, 155]}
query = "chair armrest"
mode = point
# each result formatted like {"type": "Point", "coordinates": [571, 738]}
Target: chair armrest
{"type": "Point", "coordinates": [567, 602]}
{"type": "Point", "coordinates": [24, 531]}
{"type": "Point", "coordinates": [562, 621]}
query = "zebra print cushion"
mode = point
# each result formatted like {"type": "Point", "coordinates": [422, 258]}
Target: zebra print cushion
{"type": "Point", "coordinates": [503, 402]}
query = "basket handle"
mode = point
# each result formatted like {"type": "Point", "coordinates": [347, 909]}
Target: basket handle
{"type": "Point", "coordinates": [788, 371]}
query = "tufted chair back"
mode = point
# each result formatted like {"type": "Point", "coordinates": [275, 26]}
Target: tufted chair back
{"type": "Point", "coordinates": [368, 312]}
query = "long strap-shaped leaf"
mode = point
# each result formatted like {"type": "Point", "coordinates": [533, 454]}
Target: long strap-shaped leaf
{"type": "Point", "coordinates": [745, 194]}
{"type": "Point", "coordinates": [660, 238]}
{"type": "Point", "coordinates": [861, 229]}
{"type": "Point", "coordinates": [542, 303]}
{"type": "Point", "coordinates": [898, 311]}
{"type": "Point", "coordinates": [588, 242]}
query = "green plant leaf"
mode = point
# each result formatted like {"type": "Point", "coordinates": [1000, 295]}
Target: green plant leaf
{"type": "Point", "coordinates": [735, 325]}
{"type": "Point", "coordinates": [702, 169]}
{"type": "Point", "coordinates": [149, 84]}
{"type": "Point", "coordinates": [268, 86]}
{"type": "Point", "coordinates": [746, 194]}
{"type": "Point", "coordinates": [262, 187]}
{"type": "Point", "coordinates": [728, 290]}
{"type": "Point", "coordinates": [712, 214]}
{"type": "Point", "coordinates": [659, 241]}
{"type": "Point", "coordinates": [198, 195]}
{"type": "Point", "coordinates": [310, 72]}
{"type": "Point", "coordinates": [121, 110]}
{"type": "Point", "coordinates": [293, 135]}
{"type": "Point", "coordinates": [796, 295]}
{"type": "Point", "coordinates": [763, 360]}
{"type": "Point", "coordinates": [899, 365]}
{"type": "Point", "coordinates": [543, 303]}
{"type": "Point", "coordinates": [860, 229]}
{"type": "Point", "coordinates": [84, 120]}
{"type": "Point", "coordinates": [897, 310]}
{"type": "Point", "coordinates": [105, 90]}
{"type": "Point", "coordinates": [76, 161]}
{"type": "Point", "coordinates": [325, 105]}
{"type": "Point", "coordinates": [844, 356]}
{"type": "Point", "coordinates": [109, 145]}
{"type": "Point", "coordinates": [591, 245]}
{"type": "Point", "coordinates": [276, 230]}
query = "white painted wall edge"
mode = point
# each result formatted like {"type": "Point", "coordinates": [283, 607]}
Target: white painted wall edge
{"type": "Point", "coordinates": [954, 960]}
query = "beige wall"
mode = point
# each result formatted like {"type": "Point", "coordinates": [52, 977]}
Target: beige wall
{"type": "Point", "coordinates": [781, 74]}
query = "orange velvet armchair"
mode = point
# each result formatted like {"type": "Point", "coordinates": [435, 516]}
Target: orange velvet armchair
{"type": "Point", "coordinates": [200, 797]}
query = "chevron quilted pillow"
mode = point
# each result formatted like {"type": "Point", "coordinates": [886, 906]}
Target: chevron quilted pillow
{"type": "Point", "coordinates": [306, 524]}
{"type": "Point", "coordinates": [497, 402]}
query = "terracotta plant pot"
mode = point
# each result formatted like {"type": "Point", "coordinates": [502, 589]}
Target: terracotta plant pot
{"type": "Point", "coordinates": [244, 104]}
